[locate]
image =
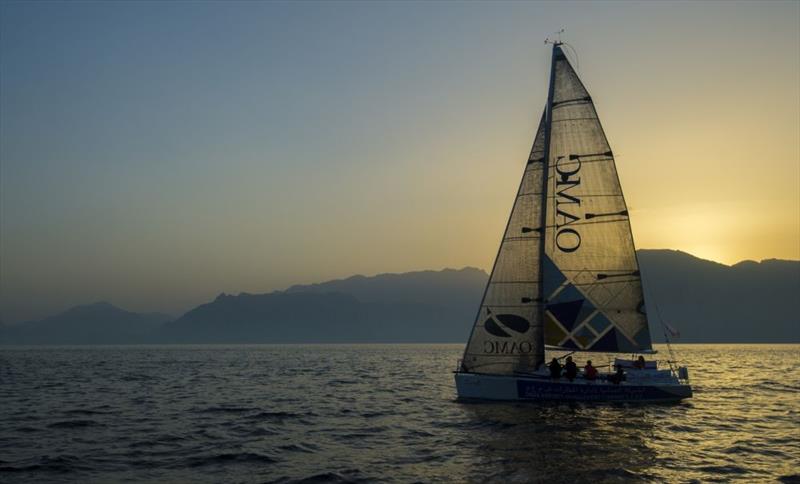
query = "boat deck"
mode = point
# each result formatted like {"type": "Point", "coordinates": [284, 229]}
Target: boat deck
{"type": "Point", "coordinates": [642, 385]}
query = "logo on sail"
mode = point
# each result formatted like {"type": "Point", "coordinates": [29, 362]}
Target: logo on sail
{"type": "Point", "coordinates": [499, 324]}
{"type": "Point", "coordinates": [567, 238]}
{"type": "Point", "coordinates": [502, 326]}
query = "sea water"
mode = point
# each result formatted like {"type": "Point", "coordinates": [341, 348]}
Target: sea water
{"type": "Point", "coordinates": [369, 413]}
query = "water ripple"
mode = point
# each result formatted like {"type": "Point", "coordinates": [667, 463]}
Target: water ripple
{"type": "Point", "coordinates": [291, 414]}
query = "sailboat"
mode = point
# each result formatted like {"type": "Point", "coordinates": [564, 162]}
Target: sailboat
{"type": "Point", "coordinates": [566, 278]}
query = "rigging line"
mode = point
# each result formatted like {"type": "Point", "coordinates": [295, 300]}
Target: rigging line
{"type": "Point", "coordinates": [663, 326]}
{"type": "Point", "coordinates": [568, 354]}
{"type": "Point", "coordinates": [577, 61]}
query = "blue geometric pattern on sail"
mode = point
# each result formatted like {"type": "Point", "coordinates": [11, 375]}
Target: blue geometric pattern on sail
{"type": "Point", "coordinates": [642, 338]}
{"type": "Point", "coordinates": [569, 307]}
{"type": "Point", "coordinates": [552, 277]}
{"type": "Point", "coordinates": [583, 335]}
{"type": "Point", "coordinates": [568, 294]}
{"type": "Point", "coordinates": [614, 341]}
{"type": "Point", "coordinates": [566, 313]}
{"type": "Point", "coordinates": [570, 345]}
{"type": "Point", "coordinates": [587, 309]}
{"type": "Point", "coordinates": [608, 342]}
{"type": "Point", "coordinates": [599, 323]}
{"type": "Point", "coordinates": [624, 344]}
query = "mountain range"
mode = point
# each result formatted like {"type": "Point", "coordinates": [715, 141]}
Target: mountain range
{"type": "Point", "coordinates": [708, 302]}
{"type": "Point", "coordinates": [98, 323]}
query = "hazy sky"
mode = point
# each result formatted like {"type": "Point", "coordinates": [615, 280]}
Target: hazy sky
{"type": "Point", "coordinates": [155, 154]}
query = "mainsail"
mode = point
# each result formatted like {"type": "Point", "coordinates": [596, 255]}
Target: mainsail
{"type": "Point", "coordinates": [581, 289]}
{"type": "Point", "coordinates": [592, 284]}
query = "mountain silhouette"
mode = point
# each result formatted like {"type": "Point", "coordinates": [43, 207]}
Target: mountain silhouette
{"type": "Point", "coordinates": [425, 306]}
{"type": "Point", "coordinates": [708, 302]}
{"type": "Point", "coordinates": [269, 318]}
{"type": "Point", "coordinates": [98, 323]}
{"type": "Point", "coordinates": [431, 287]}
{"type": "Point", "coordinates": [749, 302]}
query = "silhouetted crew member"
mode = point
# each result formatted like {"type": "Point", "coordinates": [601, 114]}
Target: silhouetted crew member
{"type": "Point", "coordinates": [589, 371]}
{"type": "Point", "coordinates": [639, 363]}
{"type": "Point", "coordinates": [570, 369]}
{"type": "Point", "coordinates": [617, 377]}
{"type": "Point", "coordinates": [555, 369]}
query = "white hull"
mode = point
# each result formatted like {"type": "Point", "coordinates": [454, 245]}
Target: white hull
{"type": "Point", "coordinates": [646, 387]}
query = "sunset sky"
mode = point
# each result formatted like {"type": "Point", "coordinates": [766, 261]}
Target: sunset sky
{"type": "Point", "coordinates": [154, 154]}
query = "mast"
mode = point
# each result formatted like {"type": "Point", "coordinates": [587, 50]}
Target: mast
{"type": "Point", "coordinates": [548, 118]}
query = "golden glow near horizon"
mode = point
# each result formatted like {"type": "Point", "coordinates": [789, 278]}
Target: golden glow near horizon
{"type": "Point", "coordinates": [723, 184]}
{"type": "Point", "coordinates": [316, 140]}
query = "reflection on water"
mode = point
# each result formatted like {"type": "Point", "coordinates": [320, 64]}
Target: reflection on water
{"type": "Point", "coordinates": [377, 412]}
{"type": "Point", "coordinates": [560, 442]}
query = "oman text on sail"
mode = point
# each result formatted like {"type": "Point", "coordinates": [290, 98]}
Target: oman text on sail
{"type": "Point", "coordinates": [567, 238]}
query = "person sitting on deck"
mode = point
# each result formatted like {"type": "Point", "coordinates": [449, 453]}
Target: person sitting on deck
{"type": "Point", "coordinates": [617, 377]}
{"type": "Point", "coordinates": [589, 371]}
{"type": "Point", "coordinates": [555, 369]}
{"type": "Point", "coordinates": [570, 369]}
{"type": "Point", "coordinates": [639, 363]}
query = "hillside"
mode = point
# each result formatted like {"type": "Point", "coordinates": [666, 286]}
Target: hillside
{"type": "Point", "coordinates": [425, 306]}
{"type": "Point", "coordinates": [708, 302]}
{"type": "Point", "coordinates": [749, 302]}
{"type": "Point", "coordinates": [98, 323]}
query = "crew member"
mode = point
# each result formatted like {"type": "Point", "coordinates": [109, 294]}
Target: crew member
{"type": "Point", "coordinates": [589, 371]}
{"type": "Point", "coordinates": [555, 369]}
{"type": "Point", "coordinates": [570, 369]}
{"type": "Point", "coordinates": [617, 377]}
